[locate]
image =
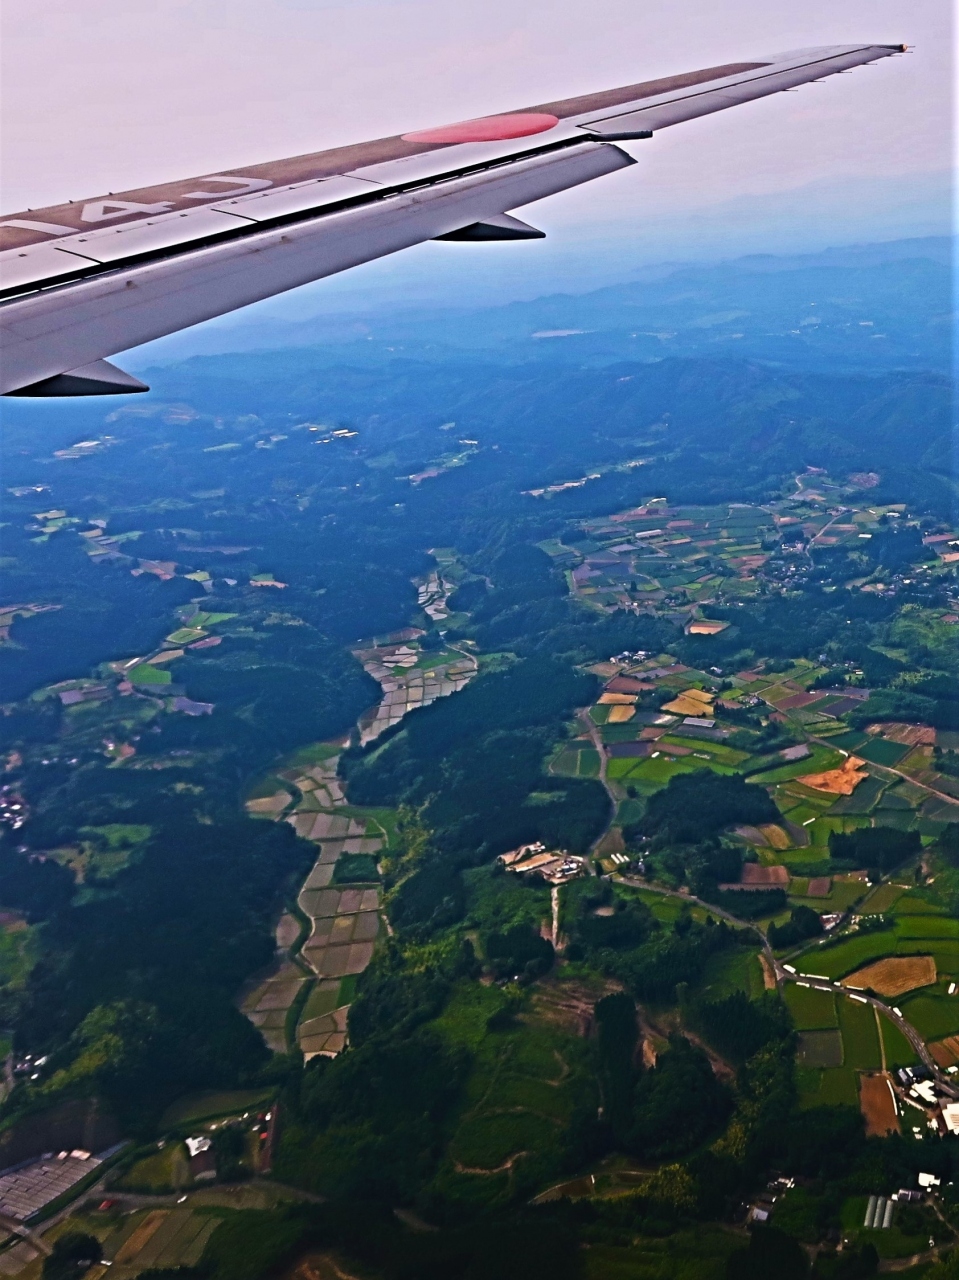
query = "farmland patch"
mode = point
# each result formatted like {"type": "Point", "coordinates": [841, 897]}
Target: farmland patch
{"type": "Point", "coordinates": [894, 975]}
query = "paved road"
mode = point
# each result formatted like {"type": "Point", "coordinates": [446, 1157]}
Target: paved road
{"type": "Point", "coordinates": [596, 738]}
{"type": "Point", "coordinates": [17, 1228]}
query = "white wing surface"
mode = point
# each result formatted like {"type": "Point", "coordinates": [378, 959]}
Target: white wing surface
{"type": "Point", "coordinates": [82, 281]}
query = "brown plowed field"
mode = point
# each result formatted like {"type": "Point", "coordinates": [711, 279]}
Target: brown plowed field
{"type": "Point", "coordinates": [819, 887]}
{"type": "Point", "coordinates": [894, 975]}
{"type": "Point", "coordinates": [946, 1052]}
{"type": "Point", "coordinates": [877, 1105]}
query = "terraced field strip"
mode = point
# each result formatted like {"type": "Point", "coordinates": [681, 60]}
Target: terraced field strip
{"type": "Point", "coordinates": [269, 1002]}
{"type": "Point", "coordinates": [406, 685]}
{"type": "Point", "coordinates": [344, 922]}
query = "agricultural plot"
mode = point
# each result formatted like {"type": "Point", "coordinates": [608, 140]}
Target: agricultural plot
{"type": "Point", "coordinates": [894, 975]}
{"type": "Point", "coordinates": [736, 970]}
{"type": "Point", "coordinates": [407, 685]}
{"type": "Point", "coordinates": [344, 922]}
{"type": "Point", "coordinates": [935, 1017]}
{"type": "Point", "coordinates": [878, 1105]}
{"type": "Point", "coordinates": [159, 1239]}
{"type": "Point", "coordinates": [897, 1049]}
{"type": "Point", "coordinates": [846, 955]}
{"type": "Point", "coordinates": [820, 1049]}
{"type": "Point", "coordinates": [576, 761]}
{"type": "Point", "coordinates": [269, 1002]}
{"type": "Point", "coordinates": [882, 899]}
{"type": "Point", "coordinates": [830, 1087]}
{"type": "Point", "coordinates": [160, 1173]}
{"type": "Point", "coordinates": [860, 1036]}
{"type": "Point", "coordinates": [811, 1009]}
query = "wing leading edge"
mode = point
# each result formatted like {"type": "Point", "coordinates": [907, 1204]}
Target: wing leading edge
{"type": "Point", "coordinates": [81, 281]}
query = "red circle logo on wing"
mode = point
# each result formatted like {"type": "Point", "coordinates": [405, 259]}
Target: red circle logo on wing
{"type": "Point", "coordinates": [487, 129]}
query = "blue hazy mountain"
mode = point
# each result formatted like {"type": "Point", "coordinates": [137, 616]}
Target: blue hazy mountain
{"type": "Point", "coordinates": [869, 308]}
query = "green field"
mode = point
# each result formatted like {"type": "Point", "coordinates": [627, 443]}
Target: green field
{"type": "Point", "coordinates": [731, 971]}
{"type": "Point", "coordinates": [650, 775]}
{"type": "Point", "coordinates": [933, 1016]}
{"type": "Point", "coordinates": [880, 751]}
{"type": "Point", "coordinates": [201, 1106]}
{"type": "Point", "coordinates": [820, 1049]}
{"type": "Point", "coordinates": [147, 674]}
{"type": "Point", "coordinates": [163, 1171]}
{"type": "Point", "coordinates": [831, 1087]}
{"type": "Point", "coordinates": [862, 800]}
{"type": "Point", "coordinates": [847, 956]}
{"type": "Point", "coordinates": [860, 1036]}
{"type": "Point", "coordinates": [821, 759]}
{"type": "Point", "coordinates": [811, 1010]}
{"type": "Point", "coordinates": [578, 762]}
{"type": "Point", "coordinates": [899, 1052]}
{"type": "Point", "coordinates": [715, 750]}
{"type": "Point", "coordinates": [687, 1255]}
{"type": "Point", "coordinates": [882, 899]}
{"type": "Point", "coordinates": [917, 903]}
{"type": "Point", "coordinates": [945, 954]}
{"type": "Point", "coordinates": [927, 926]}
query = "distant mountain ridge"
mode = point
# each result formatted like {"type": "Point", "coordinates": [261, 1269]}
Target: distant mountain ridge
{"type": "Point", "coordinates": [865, 308]}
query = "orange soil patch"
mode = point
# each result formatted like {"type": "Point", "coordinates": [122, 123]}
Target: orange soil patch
{"type": "Point", "coordinates": [908, 735]}
{"type": "Point", "coordinates": [769, 978]}
{"type": "Point", "coordinates": [877, 1103]}
{"type": "Point", "coordinates": [755, 874]}
{"type": "Point", "coordinates": [894, 975]}
{"type": "Point", "coordinates": [946, 1052]}
{"type": "Point", "coordinates": [617, 699]}
{"type": "Point", "coordinates": [619, 715]}
{"type": "Point", "coordinates": [837, 782]}
{"type": "Point", "coordinates": [819, 887]}
{"type": "Point", "coordinates": [704, 628]}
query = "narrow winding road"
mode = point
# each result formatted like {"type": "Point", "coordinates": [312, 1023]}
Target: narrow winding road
{"type": "Point", "coordinates": [596, 738]}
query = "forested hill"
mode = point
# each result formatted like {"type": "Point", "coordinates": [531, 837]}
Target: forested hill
{"type": "Point", "coordinates": [715, 428]}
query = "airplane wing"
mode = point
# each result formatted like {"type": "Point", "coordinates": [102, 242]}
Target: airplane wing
{"type": "Point", "coordinates": [84, 280]}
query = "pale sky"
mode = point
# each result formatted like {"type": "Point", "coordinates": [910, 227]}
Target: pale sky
{"type": "Point", "coordinates": [108, 94]}
{"type": "Point", "coordinates": [104, 95]}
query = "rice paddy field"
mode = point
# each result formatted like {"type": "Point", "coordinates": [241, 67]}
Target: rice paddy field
{"type": "Point", "coordinates": [304, 1001]}
{"type": "Point", "coordinates": [576, 761]}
